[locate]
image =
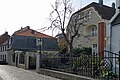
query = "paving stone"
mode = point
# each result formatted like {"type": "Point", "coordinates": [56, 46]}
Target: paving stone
{"type": "Point", "coordinates": [13, 73]}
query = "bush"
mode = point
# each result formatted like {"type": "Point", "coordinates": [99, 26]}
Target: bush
{"type": "Point", "coordinates": [84, 50]}
{"type": "Point", "coordinates": [110, 74]}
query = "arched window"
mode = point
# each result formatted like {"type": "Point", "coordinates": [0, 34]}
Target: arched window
{"type": "Point", "coordinates": [93, 31]}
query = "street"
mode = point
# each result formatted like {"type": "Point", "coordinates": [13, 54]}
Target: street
{"type": "Point", "coordinates": [13, 73]}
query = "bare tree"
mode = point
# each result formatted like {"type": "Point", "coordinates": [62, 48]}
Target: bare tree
{"type": "Point", "coordinates": [62, 11]}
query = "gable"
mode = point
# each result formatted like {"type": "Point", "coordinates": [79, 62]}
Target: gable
{"type": "Point", "coordinates": [4, 38]}
{"type": "Point", "coordinates": [104, 11]}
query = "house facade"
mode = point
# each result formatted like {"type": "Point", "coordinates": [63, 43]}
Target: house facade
{"type": "Point", "coordinates": [92, 33]}
{"type": "Point", "coordinates": [4, 38]}
{"type": "Point", "coordinates": [114, 31]}
{"type": "Point", "coordinates": [23, 47]}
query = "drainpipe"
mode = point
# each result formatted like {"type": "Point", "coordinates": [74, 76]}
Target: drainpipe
{"type": "Point", "coordinates": [110, 37]}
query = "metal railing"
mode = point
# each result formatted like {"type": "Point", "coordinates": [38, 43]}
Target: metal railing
{"type": "Point", "coordinates": [105, 68]}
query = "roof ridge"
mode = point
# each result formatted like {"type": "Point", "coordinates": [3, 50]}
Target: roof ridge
{"type": "Point", "coordinates": [17, 33]}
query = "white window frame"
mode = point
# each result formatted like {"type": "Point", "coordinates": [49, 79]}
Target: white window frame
{"type": "Point", "coordinates": [93, 31]}
{"type": "Point", "coordinates": [94, 49]}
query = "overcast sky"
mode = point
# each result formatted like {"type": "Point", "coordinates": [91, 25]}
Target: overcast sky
{"type": "Point", "coordinates": [15, 14]}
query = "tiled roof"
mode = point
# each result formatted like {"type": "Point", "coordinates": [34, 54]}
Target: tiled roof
{"type": "Point", "coordinates": [33, 33]}
{"type": "Point", "coordinates": [4, 37]}
{"type": "Point", "coordinates": [104, 11]}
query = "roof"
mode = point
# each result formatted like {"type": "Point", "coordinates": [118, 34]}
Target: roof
{"type": "Point", "coordinates": [29, 43]}
{"type": "Point", "coordinates": [116, 20]}
{"type": "Point", "coordinates": [4, 37]}
{"type": "Point", "coordinates": [31, 32]}
{"type": "Point", "coordinates": [104, 11]}
{"type": "Point", "coordinates": [59, 35]}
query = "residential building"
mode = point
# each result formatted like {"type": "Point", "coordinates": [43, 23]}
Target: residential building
{"type": "Point", "coordinates": [4, 38]}
{"type": "Point", "coordinates": [115, 30]}
{"type": "Point", "coordinates": [24, 43]}
{"type": "Point", "coordinates": [92, 33]}
{"type": "Point", "coordinates": [114, 39]}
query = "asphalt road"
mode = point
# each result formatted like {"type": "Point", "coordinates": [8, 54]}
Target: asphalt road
{"type": "Point", "coordinates": [13, 73]}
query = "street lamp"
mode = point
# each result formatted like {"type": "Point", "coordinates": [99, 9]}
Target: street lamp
{"type": "Point", "coordinates": [39, 43]}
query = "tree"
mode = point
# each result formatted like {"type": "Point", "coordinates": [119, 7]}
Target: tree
{"type": "Point", "coordinates": [62, 11]}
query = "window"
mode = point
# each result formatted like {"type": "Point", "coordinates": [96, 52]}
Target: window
{"type": "Point", "coordinates": [83, 16]}
{"type": "Point", "coordinates": [10, 41]}
{"type": "Point", "coordinates": [89, 14]}
{"type": "Point", "coordinates": [3, 48]}
{"type": "Point", "coordinates": [1, 57]}
{"type": "Point", "coordinates": [93, 31]}
{"type": "Point", "coordinates": [78, 35]}
{"type": "Point", "coordinates": [94, 49]}
{"type": "Point", "coordinates": [5, 57]}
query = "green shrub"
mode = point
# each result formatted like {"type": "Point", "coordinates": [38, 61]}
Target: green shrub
{"type": "Point", "coordinates": [84, 50]}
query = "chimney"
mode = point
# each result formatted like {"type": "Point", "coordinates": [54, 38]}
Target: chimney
{"type": "Point", "coordinates": [113, 5]}
{"type": "Point", "coordinates": [28, 27]}
{"type": "Point", "coordinates": [117, 5]}
{"type": "Point", "coordinates": [6, 32]}
{"type": "Point", "coordinates": [101, 2]}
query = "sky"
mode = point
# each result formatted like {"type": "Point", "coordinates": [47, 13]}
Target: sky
{"type": "Point", "coordinates": [15, 14]}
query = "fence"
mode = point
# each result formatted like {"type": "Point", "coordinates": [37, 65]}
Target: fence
{"type": "Point", "coordinates": [106, 68]}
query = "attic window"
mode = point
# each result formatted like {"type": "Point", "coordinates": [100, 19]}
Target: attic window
{"type": "Point", "coordinates": [89, 14]}
{"type": "Point", "coordinates": [85, 15]}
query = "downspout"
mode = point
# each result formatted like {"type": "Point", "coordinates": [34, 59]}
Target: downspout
{"type": "Point", "coordinates": [110, 36]}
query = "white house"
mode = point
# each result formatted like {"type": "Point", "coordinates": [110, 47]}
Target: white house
{"type": "Point", "coordinates": [115, 30]}
{"type": "Point", "coordinates": [3, 47]}
{"type": "Point", "coordinates": [114, 36]}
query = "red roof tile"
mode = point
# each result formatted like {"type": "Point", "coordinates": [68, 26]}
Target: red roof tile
{"type": "Point", "coordinates": [30, 32]}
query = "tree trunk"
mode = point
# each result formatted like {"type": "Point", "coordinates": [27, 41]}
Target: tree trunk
{"type": "Point", "coordinates": [71, 56]}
